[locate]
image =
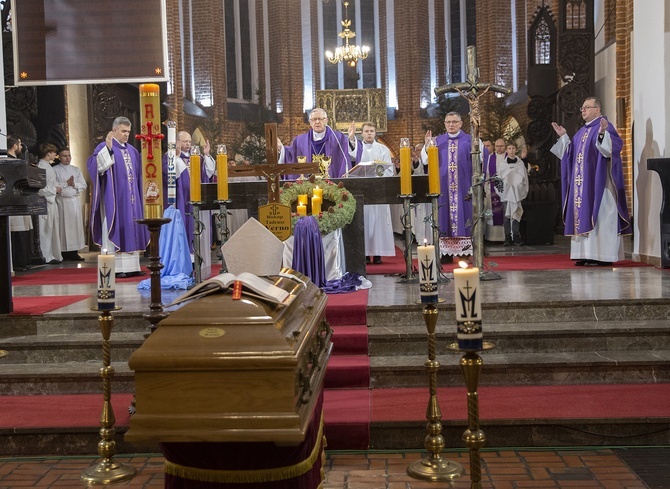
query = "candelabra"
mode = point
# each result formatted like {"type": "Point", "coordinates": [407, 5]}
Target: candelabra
{"type": "Point", "coordinates": [107, 471]}
{"type": "Point", "coordinates": [222, 223]}
{"type": "Point", "coordinates": [407, 225]}
{"type": "Point", "coordinates": [474, 438]}
{"type": "Point", "coordinates": [197, 231]}
{"type": "Point", "coordinates": [433, 467]}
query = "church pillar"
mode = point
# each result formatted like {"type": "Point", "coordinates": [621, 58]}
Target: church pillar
{"type": "Point", "coordinates": [651, 113]}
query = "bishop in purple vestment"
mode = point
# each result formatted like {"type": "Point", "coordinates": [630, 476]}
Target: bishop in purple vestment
{"type": "Point", "coordinates": [116, 173]}
{"type": "Point", "coordinates": [595, 212]}
{"type": "Point", "coordinates": [321, 139]}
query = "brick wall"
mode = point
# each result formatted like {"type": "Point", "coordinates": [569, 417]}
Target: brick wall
{"type": "Point", "coordinates": [624, 52]}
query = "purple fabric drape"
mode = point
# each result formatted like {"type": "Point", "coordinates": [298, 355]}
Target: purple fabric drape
{"type": "Point", "coordinates": [308, 256]}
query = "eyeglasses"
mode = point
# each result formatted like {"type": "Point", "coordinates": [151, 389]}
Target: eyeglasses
{"type": "Point", "coordinates": [582, 109]}
{"type": "Point", "coordinates": [452, 122]}
{"type": "Point", "coordinates": [319, 119]}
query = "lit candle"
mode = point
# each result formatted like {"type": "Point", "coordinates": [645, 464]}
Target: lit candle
{"type": "Point", "coordinates": [221, 172]}
{"type": "Point", "coordinates": [302, 199]}
{"type": "Point", "coordinates": [302, 209]}
{"type": "Point", "coordinates": [318, 192]}
{"type": "Point", "coordinates": [427, 273]}
{"type": "Point", "coordinates": [433, 168]}
{"type": "Point", "coordinates": [467, 297]}
{"type": "Point", "coordinates": [106, 281]}
{"type": "Point", "coordinates": [194, 164]}
{"type": "Point", "coordinates": [316, 205]}
{"type": "Point", "coordinates": [405, 167]}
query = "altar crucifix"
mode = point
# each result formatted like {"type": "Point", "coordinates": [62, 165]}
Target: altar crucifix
{"type": "Point", "coordinates": [272, 170]}
{"type": "Point", "coordinates": [472, 90]}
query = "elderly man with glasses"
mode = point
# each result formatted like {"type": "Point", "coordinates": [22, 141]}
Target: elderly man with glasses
{"type": "Point", "coordinates": [594, 206]}
{"type": "Point", "coordinates": [320, 140]}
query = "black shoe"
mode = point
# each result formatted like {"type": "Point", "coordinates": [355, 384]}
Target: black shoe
{"type": "Point", "coordinates": [596, 263]}
{"type": "Point", "coordinates": [581, 263]}
{"type": "Point", "coordinates": [54, 262]}
{"type": "Point", "coordinates": [377, 260]}
{"type": "Point", "coordinates": [367, 260]}
{"type": "Point", "coordinates": [78, 257]}
{"type": "Point", "coordinates": [508, 242]}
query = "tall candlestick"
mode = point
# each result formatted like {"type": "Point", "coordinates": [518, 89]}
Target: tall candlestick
{"type": "Point", "coordinates": [196, 185]}
{"type": "Point", "coordinates": [106, 281]}
{"type": "Point", "coordinates": [221, 172]}
{"type": "Point", "coordinates": [405, 167]}
{"type": "Point", "coordinates": [427, 273]}
{"type": "Point", "coordinates": [316, 205]}
{"type": "Point", "coordinates": [433, 168]}
{"type": "Point", "coordinates": [467, 297]}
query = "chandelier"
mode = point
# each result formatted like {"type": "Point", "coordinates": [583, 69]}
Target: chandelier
{"type": "Point", "coordinates": [347, 53]}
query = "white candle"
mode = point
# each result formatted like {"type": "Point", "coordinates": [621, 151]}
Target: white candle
{"type": "Point", "coordinates": [467, 297]}
{"type": "Point", "coordinates": [427, 272]}
{"type": "Point", "coordinates": [106, 280]}
{"type": "Point", "coordinates": [172, 135]}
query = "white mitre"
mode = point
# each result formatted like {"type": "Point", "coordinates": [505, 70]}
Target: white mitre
{"type": "Point", "coordinates": [253, 248]}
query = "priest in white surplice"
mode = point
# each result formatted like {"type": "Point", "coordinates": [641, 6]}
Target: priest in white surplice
{"type": "Point", "coordinates": [49, 223]}
{"type": "Point", "coordinates": [71, 220]}
{"type": "Point", "coordinates": [378, 226]}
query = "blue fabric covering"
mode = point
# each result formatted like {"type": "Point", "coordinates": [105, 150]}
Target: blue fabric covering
{"type": "Point", "coordinates": [308, 250]}
{"type": "Point", "coordinates": [350, 282]}
{"type": "Point", "coordinates": [175, 255]}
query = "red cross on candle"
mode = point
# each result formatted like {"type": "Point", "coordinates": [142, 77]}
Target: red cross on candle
{"type": "Point", "coordinates": [148, 138]}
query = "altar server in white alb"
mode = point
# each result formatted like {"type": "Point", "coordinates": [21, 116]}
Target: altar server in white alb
{"type": "Point", "coordinates": [378, 225]}
{"type": "Point", "coordinates": [72, 184]}
{"type": "Point", "coordinates": [514, 175]}
{"type": "Point", "coordinates": [49, 223]}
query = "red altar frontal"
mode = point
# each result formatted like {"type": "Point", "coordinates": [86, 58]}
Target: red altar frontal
{"type": "Point", "coordinates": [232, 390]}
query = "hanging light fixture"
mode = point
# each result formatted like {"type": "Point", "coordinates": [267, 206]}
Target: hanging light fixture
{"type": "Point", "coordinates": [349, 53]}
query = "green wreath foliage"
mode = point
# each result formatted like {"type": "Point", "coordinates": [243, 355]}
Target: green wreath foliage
{"type": "Point", "coordinates": [341, 204]}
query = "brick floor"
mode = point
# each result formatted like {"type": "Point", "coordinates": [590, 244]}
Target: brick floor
{"type": "Point", "coordinates": [509, 469]}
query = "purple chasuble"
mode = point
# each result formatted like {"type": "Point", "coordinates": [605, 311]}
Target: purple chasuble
{"type": "Point", "coordinates": [496, 203]}
{"type": "Point", "coordinates": [121, 188]}
{"type": "Point", "coordinates": [335, 144]}
{"type": "Point", "coordinates": [584, 173]}
{"type": "Point", "coordinates": [455, 180]}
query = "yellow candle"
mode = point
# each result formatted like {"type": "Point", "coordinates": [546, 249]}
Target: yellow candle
{"type": "Point", "coordinates": [316, 205]}
{"type": "Point", "coordinates": [106, 281]}
{"type": "Point", "coordinates": [222, 176]}
{"type": "Point", "coordinates": [302, 209]}
{"type": "Point", "coordinates": [318, 192]}
{"type": "Point", "coordinates": [433, 171]}
{"type": "Point", "coordinates": [302, 199]}
{"type": "Point", "coordinates": [196, 187]}
{"type": "Point", "coordinates": [152, 170]}
{"type": "Point", "coordinates": [405, 171]}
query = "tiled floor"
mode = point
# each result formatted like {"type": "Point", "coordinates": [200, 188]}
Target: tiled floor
{"type": "Point", "coordinates": [509, 469]}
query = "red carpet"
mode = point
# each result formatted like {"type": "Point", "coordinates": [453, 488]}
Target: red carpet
{"type": "Point", "coordinates": [63, 276]}
{"type": "Point", "coordinates": [529, 402]}
{"type": "Point", "coordinates": [34, 306]}
{"type": "Point", "coordinates": [347, 309]}
{"type": "Point", "coordinates": [396, 264]}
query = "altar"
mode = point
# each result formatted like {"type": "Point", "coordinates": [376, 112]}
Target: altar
{"type": "Point", "coordinates": [251, 195]}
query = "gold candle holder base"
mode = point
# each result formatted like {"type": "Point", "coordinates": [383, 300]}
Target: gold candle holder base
{"type": "Point", "coordinates": [433, 467]}
{"type": "Point", "coordinates": [107, 471]}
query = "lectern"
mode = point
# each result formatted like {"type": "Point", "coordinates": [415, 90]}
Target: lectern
{"type": "Point", "coordinates": [232, 389]}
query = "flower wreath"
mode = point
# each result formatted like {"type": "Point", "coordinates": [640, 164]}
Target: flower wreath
{"type": "Point", "coordinates": [341, 204]}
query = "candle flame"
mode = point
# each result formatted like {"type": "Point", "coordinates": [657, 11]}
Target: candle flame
{"type": "Point", "coordinates": [104, 251]}
{"type": "Point", "coordinates": [463, 264]}
{"type": "Point", "coordinates": [425, 241]}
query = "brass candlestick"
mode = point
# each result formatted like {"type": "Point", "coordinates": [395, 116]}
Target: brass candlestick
{"type": "Point", "coordinates": [435, 227]}
{"type": "Point", "coordinates": [222, 223]}
{"type": "Point", "coordinates": [107, 471]}
{"type": "Point", "coordinates": [407, 225]}
{"type": "Point", "coordinates": [434, 467]}
{"type": "Point", "coordinates": [474, 438]}
{"type": "Point", "coordinates": [197, 231]}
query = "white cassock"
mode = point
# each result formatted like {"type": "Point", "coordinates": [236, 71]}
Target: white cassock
{"type": "Point", "coordinates": [493, 232]}
{"type": "Point", "coordinates": [69, 204]}
{"type": "Point", "coordinates": [591, 246]}
{"type": "Point", "coordinates": [515, 186]}
{"type": "Point", "coordinates": [49, 223]}
{"type": "Point", "coordinates": [378, 225]}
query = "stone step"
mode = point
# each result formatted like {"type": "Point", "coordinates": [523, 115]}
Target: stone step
{"type": "Point", "coordinates": [594, 367]}
{"type": "Point", "coordinates": [529, 312]}
{"type": "Point", "coordinates": [566, 336]}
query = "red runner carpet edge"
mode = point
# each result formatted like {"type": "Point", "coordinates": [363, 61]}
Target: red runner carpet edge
{"type": "Point", "coordinates": [529, 402]}
{"type": "Point", "coordinates": [396, 264]}
{"type": "Point", "coordinates": [65, 276]}
{"type": "Point", "coordinates": [347, 309]}
{"type": "Point", "coordinates": [37, 305]}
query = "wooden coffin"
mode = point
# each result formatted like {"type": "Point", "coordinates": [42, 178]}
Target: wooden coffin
{"type": "Point", "coordinates": [224, 370]}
